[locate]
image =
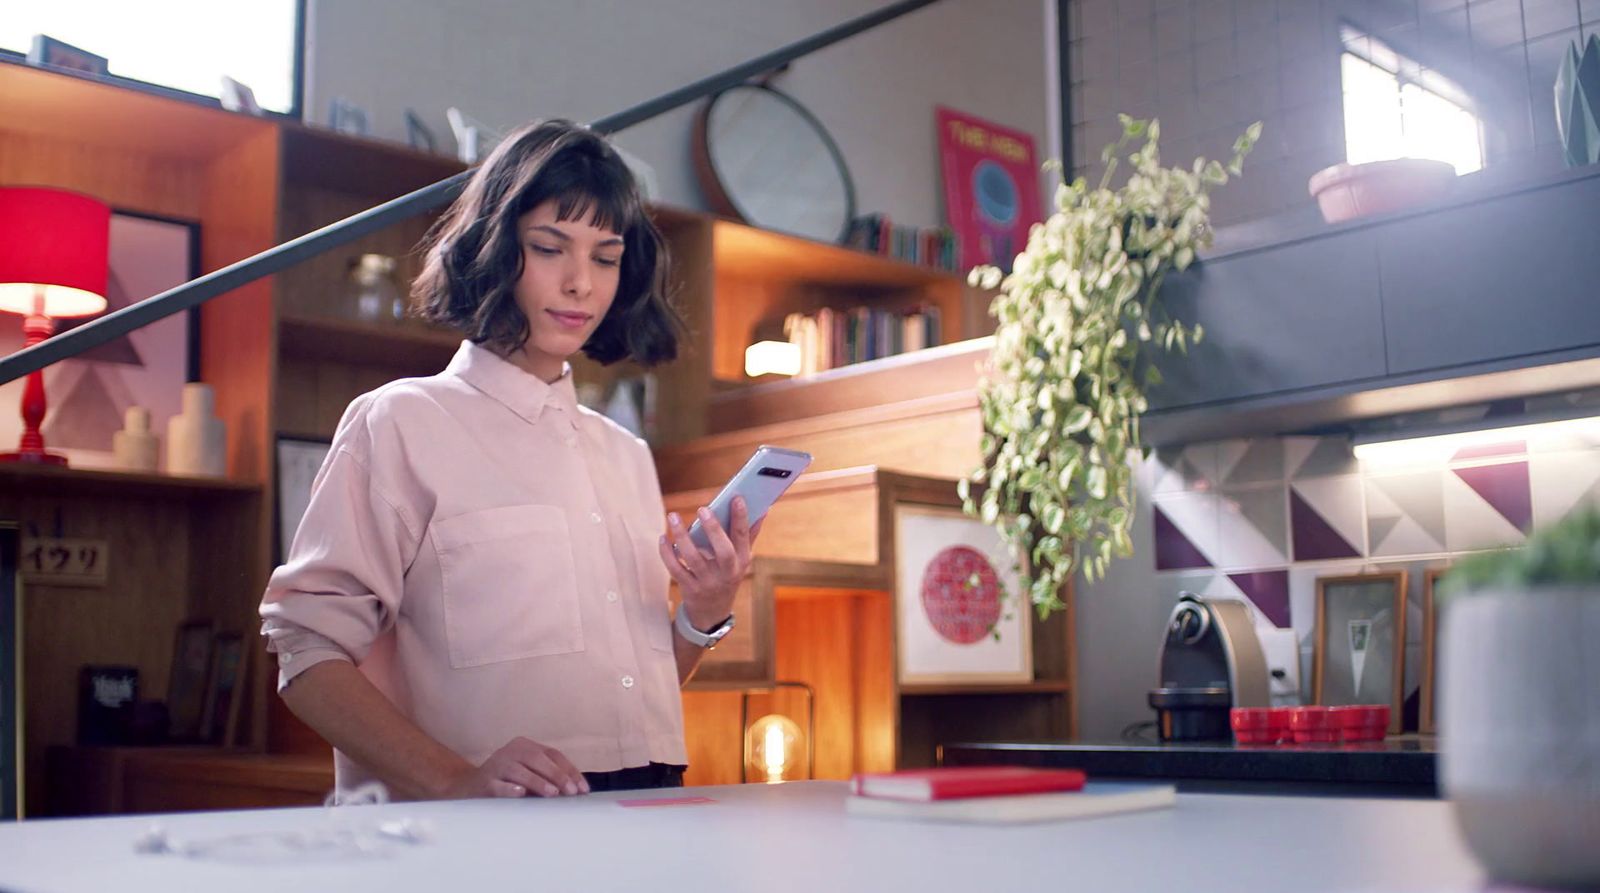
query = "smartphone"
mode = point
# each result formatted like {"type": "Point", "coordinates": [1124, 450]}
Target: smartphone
{"type": "Point", "coordinates": [761, 481]}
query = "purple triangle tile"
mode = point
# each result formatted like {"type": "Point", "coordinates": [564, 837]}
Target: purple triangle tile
{"type": "Point", "coordinates": [1314, 538]}
{"type": "Point", "coordinates": [1174, 550]}
{"type": "Point", "coordinates": [1269, 592]}
{"type": "Point", "coordinates": [1485, 450]}
{"type": "Point", "coordinates": [1506, 488]}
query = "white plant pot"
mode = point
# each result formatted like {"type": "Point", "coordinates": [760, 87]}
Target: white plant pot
{"type": "Point", "coordinates": [1519, 714]}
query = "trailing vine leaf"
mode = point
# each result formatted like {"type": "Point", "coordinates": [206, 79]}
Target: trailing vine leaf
{"type": "Point", "coordinates": [1078, 319]}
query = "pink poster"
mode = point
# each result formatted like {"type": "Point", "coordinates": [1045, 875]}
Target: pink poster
{"type": "Point", "coordinates": [991, 187]}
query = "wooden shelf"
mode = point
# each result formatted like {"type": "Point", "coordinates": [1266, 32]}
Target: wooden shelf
{"type": "Point", "coordinates": [318, 157]}
{"type": "Point", "coordinates": [759, 277]}
{"type": "Point", "coordinates": [353, 341]}
{"type": "Point", "coordinates": [1040, 687]}
{"type": "Point", "coordinates": [746, 251]}
{"type": "Point", "coordinates": [947, 369]}
{"type": "Point", "coordinates": [51, 480]}
{"type": "Point", "coordinates": [63, 105]}
{"type": "Point", "coordinates": [117, 779]}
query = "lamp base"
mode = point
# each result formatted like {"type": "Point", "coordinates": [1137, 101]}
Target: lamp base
{"type": "Point", "coordinates": [34, 457]}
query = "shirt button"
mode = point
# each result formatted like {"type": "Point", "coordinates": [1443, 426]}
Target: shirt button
{"type": "Point", "coordinates": [611, 596]}
{"type": "Point", "coordinates": [627, 682]}
{"type": "Point", "coordinates": [572, 441]}
{"type": "Point", "coordinates": [595, 517]}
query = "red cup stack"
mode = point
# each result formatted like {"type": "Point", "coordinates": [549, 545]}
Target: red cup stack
{"type": "Point", "coordinates": [1313, 725]}
{"type": "Point", "coordinates": [1360, 723]}
{"type": "Point", "coordinates": [1266, 726]}
{"type": "Point", "coordinates": [1260, 725]}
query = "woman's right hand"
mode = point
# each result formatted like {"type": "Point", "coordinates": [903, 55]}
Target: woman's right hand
{"type": "Point", "coordinates": [519, 769]}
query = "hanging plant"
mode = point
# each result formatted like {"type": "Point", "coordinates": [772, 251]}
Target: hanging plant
{"type": "Point", "coordinates": [1071, 362]}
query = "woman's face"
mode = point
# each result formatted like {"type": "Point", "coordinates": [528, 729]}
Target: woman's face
{"type": "Point", "coordinates": [570, 270]}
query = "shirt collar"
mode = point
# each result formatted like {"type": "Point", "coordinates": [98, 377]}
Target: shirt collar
{"type": "Point", "coordinates": [522, 392]}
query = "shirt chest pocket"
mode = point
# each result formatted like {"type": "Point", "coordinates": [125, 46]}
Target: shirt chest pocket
{"type": "Point", "coordinates": [653, 582]}
{"type": "Point", "coordinates": [510, 584]}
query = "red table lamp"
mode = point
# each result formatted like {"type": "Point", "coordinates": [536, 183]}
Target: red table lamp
{"type": "Point", "coordinates": [53, 264]}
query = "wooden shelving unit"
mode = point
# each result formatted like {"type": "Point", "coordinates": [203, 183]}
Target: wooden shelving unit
{"type": "Point", "coordinates": [99, 780]}
{"type": "Point", "coordinates": [314, 157]}
{"type": "Point", "coordinates": [746, 252]}
{"type": "Point", "coordinates": [759, 277]}
{"type": "Point", "coordinates": [930, 372]}
{"type": "Point", "coordinates": [355, 341]}
{"type": "Point", "coordinates": [49, 480]}
{"type": "Point", "coordinates": [179, 549]}
{"type": "Point", "coordinates": [823, 613]}
{"type": "Point", "coordinates": [57, 106]}
{"type": "Point", "coordinates": [1048, 686]}
{"type": "Point", "coordinates": [285, 356]}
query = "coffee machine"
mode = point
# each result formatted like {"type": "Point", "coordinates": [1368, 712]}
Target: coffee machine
{"type": "Point", "coordinates": [1211, 661]}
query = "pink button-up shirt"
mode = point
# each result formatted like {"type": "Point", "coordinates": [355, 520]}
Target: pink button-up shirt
{"type": "Point", "coordinates": [484, 549]}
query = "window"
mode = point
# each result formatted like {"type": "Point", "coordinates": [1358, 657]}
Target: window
{"type": "Point", "coordinates": [185, 44]}
{"type": "Point", "coordinates": [1396, 108]}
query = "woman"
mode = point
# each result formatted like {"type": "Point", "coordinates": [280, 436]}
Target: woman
{"type": "Point", "coordinates": [475, 603]}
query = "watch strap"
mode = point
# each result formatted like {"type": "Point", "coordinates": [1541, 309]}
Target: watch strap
{"type": "Point", "coordinates": [706, 639]}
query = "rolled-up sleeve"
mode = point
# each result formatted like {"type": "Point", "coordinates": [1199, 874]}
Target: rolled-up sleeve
{"type": "Point", "coordinates": [342, 583]}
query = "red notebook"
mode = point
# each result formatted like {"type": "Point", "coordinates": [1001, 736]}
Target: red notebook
{"type": "Point", "coordinates": [958, 782]}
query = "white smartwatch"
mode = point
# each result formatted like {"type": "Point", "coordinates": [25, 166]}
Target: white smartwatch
{"type": "Point", "coordinates": [707, 639]}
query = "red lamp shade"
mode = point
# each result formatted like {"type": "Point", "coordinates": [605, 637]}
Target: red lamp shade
{"type": "Point", "coordinates": [53, 243]}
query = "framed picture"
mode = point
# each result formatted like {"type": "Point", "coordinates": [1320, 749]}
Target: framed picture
{"type": "Point", "coordinates": [991, 187]}
{"type": "Point", "coordinates": [238, 97]}
{"type": "Point", "coordinates": [347, 117]}
{"type": "Point", "coordinates": [1359, 637]}
{"type": "Point", "coordinates": [418, 136]}
{"type": "Point", "coordinates": [10, 673]}
{"type": "Point", "coordinates": [91, 393]}
{"type": "Point", "coordinates": [1430, 649]}
{"type": "Point", "coordinates": [298, 461]}
{"type": "Point", "coordinates": [47, 50]}
{"type": "Point", "coordinates": [107, 695]}
{"type": "Point", "coordinates": [959, 618]}
{"type": "Point", "coordinates": [220, 720]}
{"type": "Point", "coordinates": [186, 685]}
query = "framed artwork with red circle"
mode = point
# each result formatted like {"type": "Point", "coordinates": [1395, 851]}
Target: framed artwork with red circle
{"type": "Point", "coordinates": [959, 616]}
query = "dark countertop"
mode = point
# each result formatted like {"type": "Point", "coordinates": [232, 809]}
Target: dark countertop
{"type": "Point", "coordinates": [1403, 766]}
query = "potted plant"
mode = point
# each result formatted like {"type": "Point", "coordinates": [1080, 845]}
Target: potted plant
{"type": "Point", "coordinates": [1519, 705]}
{"type": "Point", "coordinates": [1070, 367]}
{"type": "Point", "coordinates": [1347, 191]}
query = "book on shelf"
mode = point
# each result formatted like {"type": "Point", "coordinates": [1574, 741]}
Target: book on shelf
{"type": "Point", "coordinates": [832, 338]}
{"type": "Point", "coordinates": [928, 246]}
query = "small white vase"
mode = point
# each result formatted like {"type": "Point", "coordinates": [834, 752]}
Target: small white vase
{"type": "Point", "coordinates": [135, 447]}
{"type": "Point", "coordinates": [197, 441]}
{"type": "Point", "coordinates": [1519, 732]}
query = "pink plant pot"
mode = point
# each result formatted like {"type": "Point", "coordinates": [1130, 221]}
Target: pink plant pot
{"type": "Point", "coordinates": [1347, 191]}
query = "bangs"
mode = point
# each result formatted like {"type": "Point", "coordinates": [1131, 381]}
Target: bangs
{"type": "Point", "coordinates": [589, 189]}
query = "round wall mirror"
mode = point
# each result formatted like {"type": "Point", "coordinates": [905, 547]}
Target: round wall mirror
{"type": "Point", "coordinates": [765, 160]}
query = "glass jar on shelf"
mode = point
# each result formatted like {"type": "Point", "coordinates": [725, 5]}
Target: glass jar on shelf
{"type": "Point", "coordinates": [375, 295]}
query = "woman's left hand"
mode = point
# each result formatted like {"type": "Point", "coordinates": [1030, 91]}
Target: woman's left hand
{"type": "Point", "coordinates": [708, 580]}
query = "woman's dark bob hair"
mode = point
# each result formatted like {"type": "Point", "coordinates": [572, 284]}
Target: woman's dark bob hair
{"type": "Point", "coordinates": [474, 253]}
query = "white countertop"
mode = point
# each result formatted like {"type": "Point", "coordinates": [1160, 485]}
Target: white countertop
{"type": "Point", "coordinates": [792, 837]}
